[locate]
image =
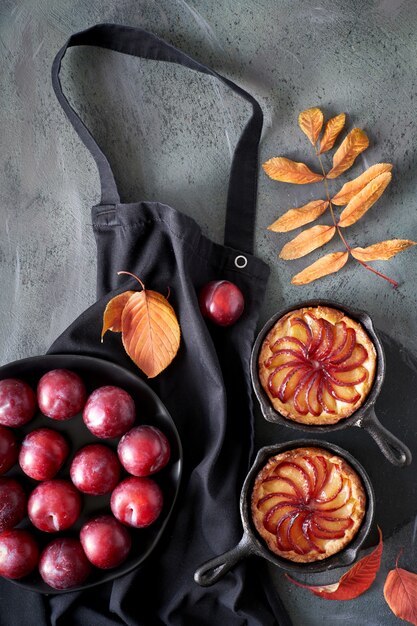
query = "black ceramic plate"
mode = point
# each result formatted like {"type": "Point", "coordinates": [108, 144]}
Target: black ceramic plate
{"type": "Point", "coordinates": [149, 410]}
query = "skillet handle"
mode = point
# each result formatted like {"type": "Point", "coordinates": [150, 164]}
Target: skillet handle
{"type": "Point", "coordinates": [211, 571]}
{"type": "Point", "coordinates": [392, 448]}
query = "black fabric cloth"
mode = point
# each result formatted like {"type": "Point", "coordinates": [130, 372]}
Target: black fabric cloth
{"type": "Point", "coordinates": [207, 388]}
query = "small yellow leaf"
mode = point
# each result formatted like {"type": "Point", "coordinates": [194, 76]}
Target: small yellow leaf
{"type": "Point", "coordinates": [150, 331]}
{"type": "Point", "coordinates": [287, 171]}
{"type": "Point", "coordinates": [331, 132]}
{"type": "Point", "coordinates": [311, 121]}
{"type": "Point", "coordinates": [383, 250]}
{"type": "Point", "coordinates": [112, 316]}
{"type": "Point", "coordinates": [356, 142]}
{"type": "Point", "coordinates": [300, 216]}
{"type": "Point", "coordinates": [328, 264]}
{"type": "Point", "coordinates": [354, 186]}
{"type": "Point", "coordinates": [362, 202]}
{"type": "Point", "coordinates": [307, 241]}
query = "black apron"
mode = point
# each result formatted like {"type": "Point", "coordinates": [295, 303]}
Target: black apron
{"type": "Point", "coordinates": [207, 388]}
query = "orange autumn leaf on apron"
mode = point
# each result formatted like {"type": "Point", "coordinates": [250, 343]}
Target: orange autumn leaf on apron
{"type": "Point", "coordinates": [149, 326]}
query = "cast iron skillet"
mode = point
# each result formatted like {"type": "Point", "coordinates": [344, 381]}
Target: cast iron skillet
{"type": "Point", "coordinates": [251, 542]}
{"type": "Point", "coordinates": [392, 448]}
{"type": "Point", "coordinates": [149, 410]}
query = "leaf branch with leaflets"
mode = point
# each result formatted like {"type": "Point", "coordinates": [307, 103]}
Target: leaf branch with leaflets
{"type": "Point", "coordinates": [357, 196]}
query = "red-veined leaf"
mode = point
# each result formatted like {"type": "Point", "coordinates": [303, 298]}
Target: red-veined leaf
{"type": "Point", "coordinates": [355, 582]}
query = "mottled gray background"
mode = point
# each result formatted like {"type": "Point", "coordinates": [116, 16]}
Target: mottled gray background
{"type": "Point", "coordinates": [169, 135]}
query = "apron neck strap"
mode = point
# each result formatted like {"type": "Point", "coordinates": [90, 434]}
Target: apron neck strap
{"type": "Point", "coordinates": [241, 201]}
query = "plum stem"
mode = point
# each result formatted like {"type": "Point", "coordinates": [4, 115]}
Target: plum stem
{"type": "Point", "coordinates": [348, 247]}
{"type": "Point", "coordinates": [133, 276]}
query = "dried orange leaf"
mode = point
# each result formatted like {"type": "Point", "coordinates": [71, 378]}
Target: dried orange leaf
{"type": "Point", "coordinates": [112, 316]}
{"type": "Point", "coordinates": [356, 142]}
{"type": "Point", "coordinates": [331, 132]}
{"type": "Point", "coordinates": [350, 189]}
{"type": "Point", "coordinates": [362, 202]}
{"type": "Point", "coordinates": [150, 331]}
{"type": "Point", "coordinates": [400, 593]}
{"type": "Point", "coordinates": [328, 264]}
{"type": "Point", "coordinates": [383, 250]}
{"type": "Point", "coordinates": [287, 171]}
{"type": "Point", "coordinates": [294, 218]}
{"type": "Point", "coordinates": [354, 582]}
{"type": "Point", "coordinates": [307, 241]}
{"type": "Point", "coordinates": [311, 121]}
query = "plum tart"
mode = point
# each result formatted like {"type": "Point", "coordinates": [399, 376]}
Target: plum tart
{"type": "Point", "coordinates": [307, 504]}
{"type": "Point", "coordinates": [317, 365]}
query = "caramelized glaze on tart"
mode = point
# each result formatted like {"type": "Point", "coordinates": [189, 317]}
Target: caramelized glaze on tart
{"type": "Point", "coordinates": [317, 365]}
{"type": "Point", "coordinates": [307, 504]}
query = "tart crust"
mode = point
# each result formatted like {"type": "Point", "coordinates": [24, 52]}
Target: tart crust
{"type": "Point", "coordinates": [332, 546]}
{"type": "Point", "coordinates": [343, 409]}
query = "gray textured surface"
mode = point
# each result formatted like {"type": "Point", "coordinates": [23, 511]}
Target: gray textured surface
{"type": "Point", "coordinates": [354, 56]}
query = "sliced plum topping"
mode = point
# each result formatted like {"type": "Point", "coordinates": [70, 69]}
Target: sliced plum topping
{"type": "Point", "coordinates": [283, 356]}
{"type": "Point", "coordinates": [327, 342]}
{"type": "Point", "coordinates": [301, 331]}
{"type": "Point", "coordinates": [291, 383]}
{"type": "Point", "coordinates": [298, 476]}
{"type": "Point", "coordinates": [300, 395]}
{"type": "Point", "coordinates": [349, 378]}
{"type": "Point", "coordinates": [347, 349]}
{"type": "Point", "coordinates": [340, 339]}
{"type": "Point", "coordinates": [357, 358]}
{"type": "Point", "coordinates": [313, 403]}
{"type": "Point", "coordinates": [317, 365]}
{"type": "Point", "coordinates": [288, 343]}
{"type": "Point", "coordinates": [274, 515]}
{"type": "Point", "coordinates": [306, 501]}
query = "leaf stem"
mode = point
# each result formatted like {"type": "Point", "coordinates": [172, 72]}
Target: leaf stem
{"type": "Point", "coordinates": [398, 557]}
{"type": "Point", "coordinates": [133, 276]}
{"type": "Point", "coordinates": [348, 247]}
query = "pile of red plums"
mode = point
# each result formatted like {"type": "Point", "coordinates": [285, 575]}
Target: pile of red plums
{"type": "Point", "coordinates": [55, 503]}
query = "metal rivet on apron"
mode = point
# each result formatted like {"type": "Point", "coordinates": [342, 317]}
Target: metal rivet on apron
{"type": "Point", "coordinates": [241, 261]}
